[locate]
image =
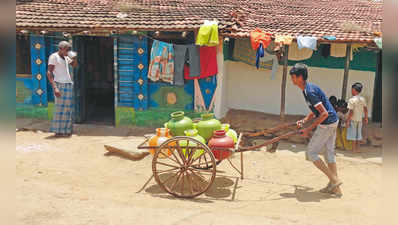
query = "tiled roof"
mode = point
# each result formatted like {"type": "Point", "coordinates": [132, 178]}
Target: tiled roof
{"type": "Point", "coordinates": [348, 20]}
{"type": "Point", "coordinates": [141, 14]}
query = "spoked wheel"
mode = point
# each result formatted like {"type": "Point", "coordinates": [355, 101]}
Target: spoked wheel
{"type": "Point", "coordinates": [181, 173]}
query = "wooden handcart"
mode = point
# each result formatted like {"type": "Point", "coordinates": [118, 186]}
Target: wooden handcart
{"type": "Point", "coordinates": [186, 168]}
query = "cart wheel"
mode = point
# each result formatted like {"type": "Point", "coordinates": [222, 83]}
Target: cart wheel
{"type": "Point", "coordinates": [180, 174]}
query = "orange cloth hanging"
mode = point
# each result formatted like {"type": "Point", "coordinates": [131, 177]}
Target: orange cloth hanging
{"type": "Point", "coordinates": [258, 37]}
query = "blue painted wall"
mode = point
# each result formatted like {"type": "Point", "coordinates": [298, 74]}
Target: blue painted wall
{"type": "Point", "coordinates": [39, 62]}
{"type": "Point", "coordinates": [132, 72]}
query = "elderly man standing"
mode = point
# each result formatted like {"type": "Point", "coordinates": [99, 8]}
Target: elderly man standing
{"type": "Point", "coordinates": [62, 83]}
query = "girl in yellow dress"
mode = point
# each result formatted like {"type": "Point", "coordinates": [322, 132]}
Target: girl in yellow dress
{"type": "Point", "coordinates": [341, 136]}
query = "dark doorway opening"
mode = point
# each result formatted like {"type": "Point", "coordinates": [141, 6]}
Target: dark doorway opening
{"type": "Point", "coordinates": [97, 92]}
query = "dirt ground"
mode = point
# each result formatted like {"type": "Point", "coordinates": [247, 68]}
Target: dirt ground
{"type": "Point", "coordinates": [73, 181]}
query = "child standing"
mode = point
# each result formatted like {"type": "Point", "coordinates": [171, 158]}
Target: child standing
{"type": "Point", "coordinates": [342, 113]}
{"type": "Point", "coordinates": [357, 108]}
{"type": "Point", "coordinates": [333, 101]}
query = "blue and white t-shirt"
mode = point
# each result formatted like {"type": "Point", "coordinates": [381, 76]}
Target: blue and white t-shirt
{"type": "Point", "coordinates": [314, 96]}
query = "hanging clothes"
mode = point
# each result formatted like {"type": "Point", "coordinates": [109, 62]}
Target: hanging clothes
{"type": "Point", "coordinates": [379, 42]}
{"type": "Point", "coordinates": [268, 57]}
{"type": "Point", "coordinates": [355, 47]}
{"type": "Point", "coordinates": [184, 53]}
{"type": "Point", "coordinates": [339, 50]}
{"type": "Point", "coordinates": [243, 52]}
{"type": "Point", "coordinates": [186, 71]}
{"type": "Point", "coordinates": [329, 37]}
{"type": "Point", "coordinates": [258, 37]}
{"type": "Point", "coordinates": [199, 102]}
{"type": "Point", "coordinates": [208, 61]}
{"type": "Point", "coordinates": [306, 42]}
{"type": "Point", "coordinates": [213, 99]}
{"type": "Point", "coordinates": [259, 53]}
{"type": "Point", "coordinates": [298, 54]}
{"type": "Point", "coordinates": [281, 40]}
{"type": "Point", "coordinates": [208, 34]}
{"type": "Point", "coordinates": [161, 66]}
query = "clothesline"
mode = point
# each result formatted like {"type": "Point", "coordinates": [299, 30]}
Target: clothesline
{"type": "Point", "coordinates": [206, 36]}
{"type": "Point", "coordinates": [153, 39]}
{"type": "Point", "coordinates": [66, 38]}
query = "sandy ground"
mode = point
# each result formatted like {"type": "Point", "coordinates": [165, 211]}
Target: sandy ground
{"type": "Point", "coordinates": [73, 181]}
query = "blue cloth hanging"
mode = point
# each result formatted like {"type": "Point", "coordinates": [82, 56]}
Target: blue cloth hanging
{"type": "Point", "coordinates": [329, 37]}
{"type": "Point", "coordinates": [259, 53]}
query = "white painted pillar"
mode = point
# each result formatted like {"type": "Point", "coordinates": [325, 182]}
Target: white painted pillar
{"type": "Point", "coordinates": [220, 102]}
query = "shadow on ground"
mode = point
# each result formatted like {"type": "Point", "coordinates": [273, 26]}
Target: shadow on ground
{"type": "Point", "coordinates": [23, 124]}
{"type": "Point", "coordinates": [220, 189]}
{"type": "Point", "coordinates": [305, 194]}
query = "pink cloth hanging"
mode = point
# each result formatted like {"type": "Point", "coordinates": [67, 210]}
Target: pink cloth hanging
{"type": "Point", "coordinates": [212, 100]}
{"type": "Point", "coordinates": [199, 102]}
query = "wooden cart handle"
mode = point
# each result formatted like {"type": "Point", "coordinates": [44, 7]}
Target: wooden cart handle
{"type": "Point", "coordinates": [272, 130]}
{"type": "Point", "coordinates": [273, 140]}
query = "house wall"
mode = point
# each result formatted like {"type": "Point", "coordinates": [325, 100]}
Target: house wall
{"type": "Point", "coordinates": [252, 89]}
{"type": "Point", "coordinates": [31, 89]}
{"type": "Point", "coordinates": [162, 99]}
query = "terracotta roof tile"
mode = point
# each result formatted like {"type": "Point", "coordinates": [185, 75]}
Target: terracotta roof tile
{"type": "Point", "coordinates": [346, 19]}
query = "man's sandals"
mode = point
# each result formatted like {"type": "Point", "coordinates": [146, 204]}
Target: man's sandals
{"type": "Point", "coordinates": [330, 189]}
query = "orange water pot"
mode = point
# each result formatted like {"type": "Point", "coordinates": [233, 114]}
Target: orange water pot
{"type": "Point", "coordinates": [162, 135]}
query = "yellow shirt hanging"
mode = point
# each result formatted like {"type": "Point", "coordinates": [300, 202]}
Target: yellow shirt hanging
{"type": "Point", "coordinates": [208, 34]}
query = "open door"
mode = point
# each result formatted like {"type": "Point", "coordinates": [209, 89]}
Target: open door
{"type": "Point", "coordinates": [94, 81]}
{"type": "Point", "coordinates": [80, 80]}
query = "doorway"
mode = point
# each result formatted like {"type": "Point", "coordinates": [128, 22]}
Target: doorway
{"type": "Point", "coordinates": [97, 81]}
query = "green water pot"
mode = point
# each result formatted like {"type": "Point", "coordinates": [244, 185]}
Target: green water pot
{"type": "Point", "coordinates": [207, 125]}
{"type": "Point", "coordinates": [178, 123]}
{"type": "Point", "coordinates": [229, 132]}
{"type": "Point", "coordinates": [193, 133]}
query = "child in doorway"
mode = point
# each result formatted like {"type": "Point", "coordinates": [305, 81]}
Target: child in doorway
{"type": "Point", "coordinates": [341, 134]}
{"type": "Point", "coordinates": [357, 108]}
{"type": "Point", "coordinates": [333, 101]}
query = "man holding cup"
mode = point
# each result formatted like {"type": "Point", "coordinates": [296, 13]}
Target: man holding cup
{"type": "Point", "coordinates": [62, 84]}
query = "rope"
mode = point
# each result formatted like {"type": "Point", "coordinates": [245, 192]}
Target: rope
{"type": "Point", "coordinates": [66, 38]}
